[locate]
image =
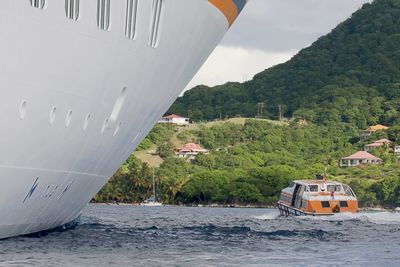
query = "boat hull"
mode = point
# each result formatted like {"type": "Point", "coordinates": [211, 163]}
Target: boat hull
{"type": "Point", "coordinates": [77, 100]}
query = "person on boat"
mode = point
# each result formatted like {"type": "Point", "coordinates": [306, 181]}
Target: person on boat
{"type": "Point", "coordinates": [333, 194]}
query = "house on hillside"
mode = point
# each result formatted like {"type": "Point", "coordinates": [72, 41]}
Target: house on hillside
{"type": "Point", "coordinates": [360, 158]}
{"type": "Point", "coordinates": [175, 119]}
{"type": "Point", "coordinates": [379, 143]}
{"type": "Point", "coordinates": [372, 129]}
{"type": "Point", "coordinates": [191, 150]}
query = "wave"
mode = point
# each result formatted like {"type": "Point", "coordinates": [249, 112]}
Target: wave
{"type": "Point", "coordinates": [245, 231]}
{"type": "Point", "coordinates": [371, 217]}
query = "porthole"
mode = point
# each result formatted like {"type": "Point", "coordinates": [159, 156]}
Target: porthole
{"type": "Point", "coordinates": [68, 118]}
{"type": "Point", "coordinates": [86, 122]}
{"type": "Point", "coordinates": [117, 129]}
{"type": "Point", "coordinates": [105, 125]}
{"type": "Point", "coordinates": [22, 109]}
{"type": "Point", "coordinates": [52, 116]}
{"type": "Point", "coordinates": [118, 105]}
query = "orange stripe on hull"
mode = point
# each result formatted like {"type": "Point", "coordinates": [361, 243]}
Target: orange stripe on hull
{"type": "Point", "coordinates": [227, 7]}
{"type": "Point", "coordinates": [316, 206]}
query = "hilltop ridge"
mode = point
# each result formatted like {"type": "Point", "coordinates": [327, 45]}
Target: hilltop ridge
{"type": "Point", "coordinates": [352, 73]}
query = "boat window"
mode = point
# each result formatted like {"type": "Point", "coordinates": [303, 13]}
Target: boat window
{"type": "Point", "coordinates": [348, 191]}
{"type": "Point", "coordinates": [313, 188]}
{"type": "Point", "coordinates": [131, 15]}
{"type": "Point", "coordinates": [343, 204]}
{"type": "Point", "coordinates": [155, 28]}
{"type": "Point", "coordinates": [72, 9]}
{"type": "Point", "coordinates": [291, 184]}
{"type": "Point", "coordinates": [103, 14]}
{"type": "Point", "coordinates": [38, 3]}
{"type": "Point", "coordinates": [325, 204]}
{"type": "Point", "coordinates": [334, 188]}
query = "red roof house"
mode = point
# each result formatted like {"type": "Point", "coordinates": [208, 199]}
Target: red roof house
{"type": "Point", "coordinates": [175, 119]}
{"type": "Point", "coordinates": [359, 158]}
{"type": "Point", "coordinates": [378, 143]}
{"type": "Point", "coordinates": [191, 150]}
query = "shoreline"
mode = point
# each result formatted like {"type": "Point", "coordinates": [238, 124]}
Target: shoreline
{"type": "Point", "coordinates": [239, 206]}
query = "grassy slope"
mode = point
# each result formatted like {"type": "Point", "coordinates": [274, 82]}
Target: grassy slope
{"type": "Point", "coordinates": [150, 157]}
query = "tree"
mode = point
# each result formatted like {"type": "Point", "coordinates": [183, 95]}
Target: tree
{"type": "Point", "coordinates": [165, 149]}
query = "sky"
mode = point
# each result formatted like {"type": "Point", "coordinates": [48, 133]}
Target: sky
{"type": "Point", "coordinates": [270, 32]}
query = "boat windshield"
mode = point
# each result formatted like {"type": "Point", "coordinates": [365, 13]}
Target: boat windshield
{"type": "Point", "coordinates": [334, 188]}
{"type": "Point", "coordinates": [348, 191]}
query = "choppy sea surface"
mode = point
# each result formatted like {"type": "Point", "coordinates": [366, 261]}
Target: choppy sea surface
{"type": "Point", "coordinates": [112, 235]}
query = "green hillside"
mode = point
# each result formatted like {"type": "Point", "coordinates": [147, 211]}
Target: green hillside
{"type": "Point", "coordinates": [350, 75]}
{"type": "Point", "coordinates": [250, 162]}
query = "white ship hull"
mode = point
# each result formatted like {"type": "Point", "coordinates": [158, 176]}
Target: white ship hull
{"type": "Point", "coordinates": [77, 100]}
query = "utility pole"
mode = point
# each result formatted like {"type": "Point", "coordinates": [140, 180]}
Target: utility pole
{"type": "Point", "coordinates": [280, 113]}
{"type": "Point", "coordinates": [260, 109]}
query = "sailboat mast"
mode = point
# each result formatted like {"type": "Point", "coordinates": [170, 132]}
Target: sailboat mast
{"type": "Point", "coordinates": [154, 188]}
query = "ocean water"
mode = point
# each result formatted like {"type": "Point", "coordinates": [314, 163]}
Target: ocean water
{"type": "Point", "coordinates": [112, 235]}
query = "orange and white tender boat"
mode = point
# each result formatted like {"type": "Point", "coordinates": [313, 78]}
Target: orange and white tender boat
{"type": "Point", "coordinates": [317, 197]}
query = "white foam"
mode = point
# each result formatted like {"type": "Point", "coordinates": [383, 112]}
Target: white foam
{"type": "Point", "coordinates": [374, 217]}
{"type": "Point", "coordinates": [269, 216]}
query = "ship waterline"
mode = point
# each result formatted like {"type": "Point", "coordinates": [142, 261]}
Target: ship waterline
{"type": "Point", "coordinates": [82, 83]}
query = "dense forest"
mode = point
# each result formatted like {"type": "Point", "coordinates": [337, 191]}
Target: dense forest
{"type": "Point", "coordinates": [346, 81]}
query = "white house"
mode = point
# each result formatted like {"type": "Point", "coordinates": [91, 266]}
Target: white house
{"type": "Point", "coordinates": [360, 158]}
{"type": "Point", "coordinates": [175, 119]}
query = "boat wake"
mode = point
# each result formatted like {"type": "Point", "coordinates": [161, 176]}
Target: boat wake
{"type": "Point", "coordinates": [385, 217]}
{"type": "Point", "coordinates": [371, 217]}
{"type": "Point", "coordinates": [270, 216]}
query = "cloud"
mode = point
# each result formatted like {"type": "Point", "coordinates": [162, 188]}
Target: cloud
{"type": "Point", "coordinates": [236, 64]}
{"type": "Point", "coordinates": [282, 25]}
{"type": "Point", "coordinates": [269, 32]}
